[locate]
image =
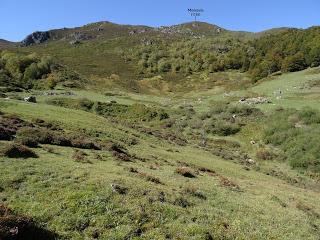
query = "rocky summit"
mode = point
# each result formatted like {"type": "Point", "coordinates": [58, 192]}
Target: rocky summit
{"type": "Point", "coordinates": [36, 38]}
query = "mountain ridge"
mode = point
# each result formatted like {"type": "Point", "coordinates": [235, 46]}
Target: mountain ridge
{"type": "Point", "coordinates": [109, 29]}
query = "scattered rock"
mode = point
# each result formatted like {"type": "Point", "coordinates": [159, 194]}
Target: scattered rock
{"type": "Point", "coordinates": [31, 99]}
{"type": "Point", "coordinates": [250, 161]}
{"type": "Point", "coordinates": [75, 42]}
{"type": "Point", "coordinates": [79, 36]}
{"type": "Point", "coordinates": [51, 93]}
{"type": "Point", "coordinates": [257, 100]}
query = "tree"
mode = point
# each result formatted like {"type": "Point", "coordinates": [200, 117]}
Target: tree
{"type": "Point", "coordinates": [294, 63]}
{"type": "Point", "coordinates": [32, 72]}
{"type": "Point", "coordinates": [164, 65]}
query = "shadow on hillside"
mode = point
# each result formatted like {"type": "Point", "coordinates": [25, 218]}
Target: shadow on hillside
{"type": "Point", "coordinates": [15, 227]}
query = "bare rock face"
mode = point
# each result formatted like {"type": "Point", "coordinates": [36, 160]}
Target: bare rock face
{"type": "Point", "coordinates": [36, 38]}
{"type": "Point", "coordinates": [79, 36]}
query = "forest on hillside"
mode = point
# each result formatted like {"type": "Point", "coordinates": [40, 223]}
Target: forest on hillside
{"type": "Point", "coordinates": [288, 51]}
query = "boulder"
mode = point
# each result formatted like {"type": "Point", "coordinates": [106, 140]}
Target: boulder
{"type": "Point", "coordinates": [36, 38]}
{"type": "Point", "coordinates": [31, 99]}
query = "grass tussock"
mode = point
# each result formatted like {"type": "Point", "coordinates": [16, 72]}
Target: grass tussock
{"type": "Point", "coordinates": [14, 226]}
{"type": "Point", "coordinates": [150, 178]}
{"type": "Point", "coordinates": [265, 154]}
{"type": "Point", "coordinates": [195, 192]}
{"type": "Point", "coordinates": [225, 182]}
{"type": "Point", "coordinates": [80, 156]}
{"type": "Point", "coordinates": [186, 172]}
{"type": "Point", "coordinates": [14, 150]}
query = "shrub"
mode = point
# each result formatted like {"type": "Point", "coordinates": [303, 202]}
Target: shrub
{"type": "Point", "coordinates": [294, 63]}
{"type": "Point", "coordinates": [18, 151]}
{"type": "Point", "coordinates": [151, 178]}
{"type": "Point", "coordinates": [299, 143]}
{"type": "Point", "coordinates": [119, 188]}
{"type": "Point", "coordinates": [83, 142]}
{"type": "Point", "coordinates": [14, 226]}
{"type": "Point", "coordinates": [182, 202]}
{"type": "Point", "coordinates": [46, 136]}
{"type": "Point", "coordinates": [41, 135]}
{"type": "Point", "coordinates": [225, 128]}
{"type": "Point", "coordinates": [228, 183]}
{"type": "Point", "coordinates": [6, 134]}
{"type": "Point", "coordinates": [193, 191]}
{"type": "Point", "coordinates": [186, 172]}
{"type": "Point", "coordinates": [80, 156]}
{"type": "Point", "coordinates": [28, 141]}
{"type": "Point", "coordinates": [265, 154]}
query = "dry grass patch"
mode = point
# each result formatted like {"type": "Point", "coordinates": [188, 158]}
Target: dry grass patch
{"type": "Point", "coordinates": [186, 172]}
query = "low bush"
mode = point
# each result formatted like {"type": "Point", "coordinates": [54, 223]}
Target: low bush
{"type": "Point", "coordinates": [297, 134]}
{"type": "Point", "coordinates": [6, 134]}
{"type": "Point", "coordinates": [133, 112]}
{"type": "Point", "coordinates": [225, 182]}
{"type": "Point", "coordinates": [28, 141]}
{"type": "Point", "coordinates": [150, 178]}
{"type": "Point", "coordinates": [81, 104]}
{"type": "Point", "coordinates": [45, 136]}
{"type": "Point", "coordinates": [113, 109]}
{"type": "Point", "coordinates": [182, 202]}
{"type": "Point", "coordinates": [186, 172]}
{"type": "Point", "coordinates": [18, 151]}
{"type": "Point", "coordinates": [222, 128]}
{"type": "Point", "coordinates": [80, 156]}
{"type": "Point", "coordinates": [265, 154]}
{"type": "Point", "coordinates": [14, 226]}
{"type": "Point", "coordinates": [193, 191]}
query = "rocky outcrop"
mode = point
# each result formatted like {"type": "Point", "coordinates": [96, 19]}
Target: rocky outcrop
{"type": "Point", "coordinates": [36, 38]}
{"type": "Point", "coordinates": [79, 36]}
{"type": "Point", "coordinates": [257, 100]}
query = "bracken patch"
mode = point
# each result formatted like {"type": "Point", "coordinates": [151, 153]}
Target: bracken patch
{"type": "Point", "coordinates": [14, 227]}
{"type": "Point", "coordinates": [186, 172]}
{"type": "Point", "coordinates": [18, 151]}
{"type": "Point", "coordinates": [225, 182]}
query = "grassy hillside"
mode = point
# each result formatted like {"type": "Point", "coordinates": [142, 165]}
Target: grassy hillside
{"type": "Point", "coordinates": [117, 145]}
{"type": "Point", "coordinates": [123, 56]}
{"type": "Point", "coordinates": [132, 177]}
